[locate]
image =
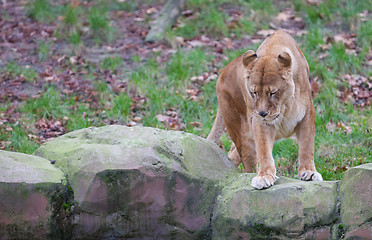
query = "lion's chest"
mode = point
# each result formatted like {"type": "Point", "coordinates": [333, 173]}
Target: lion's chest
{"type": "Point", "coordinates": [286, 126]}
{"type": "Point", "coordinates": [285, 129]}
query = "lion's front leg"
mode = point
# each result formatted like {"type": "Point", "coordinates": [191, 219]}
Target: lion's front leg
{"type": "Point", "coordinates": [264, 136]}
{"type": "Point", "coordinates": [305, 132]}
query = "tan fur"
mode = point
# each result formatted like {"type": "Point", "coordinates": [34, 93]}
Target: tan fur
{"type": "Point", "coordinates": [265, 96]}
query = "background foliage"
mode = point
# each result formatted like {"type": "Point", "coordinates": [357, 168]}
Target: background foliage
{"type": "Point", "coordinates": [67, 65]}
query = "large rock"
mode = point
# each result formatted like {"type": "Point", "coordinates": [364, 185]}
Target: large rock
{"type": "Point", "coordinates": [356, 202]}
{"type": "Point", "coordinates": [286, 210]}
{"type": "Point", "coordinates": [145, 183]}
{"type": "Point", "coordinates": [27, 186]}
{"type": "Point", "coordinates": [140, 182]}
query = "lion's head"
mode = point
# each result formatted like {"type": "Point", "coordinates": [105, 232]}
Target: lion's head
{"type": "Point", "coordinates": [268, 84]}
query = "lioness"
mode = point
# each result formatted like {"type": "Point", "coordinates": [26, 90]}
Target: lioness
{"type": "Point", "coordinates": [265, 96]}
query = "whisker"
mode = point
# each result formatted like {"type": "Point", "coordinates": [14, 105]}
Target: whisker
{"type": "Point", "coordinates": [282, 116]}
{"type": "Point", "coordinates": [251, 116]}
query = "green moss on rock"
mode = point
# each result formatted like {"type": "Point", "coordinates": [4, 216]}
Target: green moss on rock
{"type": "Point", "coordinates": [289, 207]}
{"type": "Point", "coordinates": [356, 196]}
{"type": "Point", "coordinates": [26, 184]}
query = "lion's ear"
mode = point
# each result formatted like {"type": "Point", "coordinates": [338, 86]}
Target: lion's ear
{"type": "Point", "coordinates": [248, 57]}
{"type": "Point", "coordinates": [285, 59]}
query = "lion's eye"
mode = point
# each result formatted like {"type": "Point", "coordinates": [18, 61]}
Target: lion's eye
{"type": "Point", "coordinates": [254, 93]}
{"type": "Point", "coordinates": [273, 93]}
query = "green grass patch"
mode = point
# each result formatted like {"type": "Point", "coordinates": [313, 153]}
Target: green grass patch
{"type": "Point", "coordinates": [120, 107]}
{"type": "Point", "coordinates": [48, 105]}
{"type": "Point", "coordinates": [285, 153]}
{"type": "Point", "coordinates": [14, 70]}
{"type": "Point", "coordinates": [112, 63]}
{"type": "Point", "coordinates": [43, 50]}
{"type": "Point", "coordinates": [21, 142]}
{"type": "Point", "coordinates": [364, 33]}
{"type": "Point", "coordinates": [99, 25]}
{"type": "Point", "coordinates": [40, 10]}
{"type": "Point", "coordinates": [337, 151]}
{"type": "Point", "coordinates": [171, 83]}
{"type": "Point", "coordinates": [342, 62]}
{"type": "Point", "coordinates": [217, 23]}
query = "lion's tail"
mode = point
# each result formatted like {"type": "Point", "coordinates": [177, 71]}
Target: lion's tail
{"type": "Point", "coordinates": [218, 128]}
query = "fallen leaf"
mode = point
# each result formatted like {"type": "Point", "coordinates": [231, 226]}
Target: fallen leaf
{"type": "Point", "coordinates": [315, 86]}
{"type": "Point", "coordinates": [338, 169]}
{"type": "Point", "coordinates": [196, 124]}
{"type": "Point", "coordinates": [285, 16]}
{"type": "Point", "coordinates": [131, 124]}
{"type": "Point", "coordinates": [162, 118]}
{"type": "Point", "coordinates": [229, 43]}
{"type": "Point", "coordinates": [313, 2]}
{"type": "Point", "coordinates": [73, 60]}
{"type": "Point", "coordinates": [196, 43]}
{"type": "Point", "coordinates": [345, 128]}
{"type": "Point", "coordinates": [331, 126]}
{"type": "Point", "coordinates": [187, 13]}
{"type": "Point", "coordinates": [265, 32]}
{"type": "Point", "coordinates": [151, 10]}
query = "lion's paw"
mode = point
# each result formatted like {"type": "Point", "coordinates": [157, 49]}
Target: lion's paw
{"type": "Point", "coordinates": [308, 175]}
{"type": "Point", "coordinates": [266, 181]}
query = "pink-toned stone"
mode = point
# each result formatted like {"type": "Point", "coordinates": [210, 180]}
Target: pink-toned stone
{"type": "Point", "coordinates": [140, 182]}
{"type": "Point", "coordinates": [361, 233]}
{"type": "Point", "coordinates": [26, 185]}
{"type": "Point", "coordinates": [322, 233]}
{"type": "Point", "coordinates": [24, 208]}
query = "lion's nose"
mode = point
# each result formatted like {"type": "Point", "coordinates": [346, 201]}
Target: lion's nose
{"type": "Point", "coordinates": [263, 113]}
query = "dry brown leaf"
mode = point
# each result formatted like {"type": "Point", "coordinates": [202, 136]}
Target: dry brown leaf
{"type": "Point", "coordinates": [265, 32]}
{"type": "Point", "coordinates": [341, 126]}
{"type": "Point", "coordinates": [196, 124]}
{"type": "Point", "coordinates": [331, 126]}
{"type": "Point", "coordinates": [151, 10]}
{"type": "Point", "coordinates": [313, 2]}
{"type": "Point", "coordinates": [285, 16]}
{"type": "Point", "coordinates": [162, 118]}
{"type": "Point", "coordinates": [229, 43]}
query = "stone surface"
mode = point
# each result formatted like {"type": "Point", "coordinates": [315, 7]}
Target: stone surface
{"type": "Point", "coordinates": [356, 202]}
{"type": "Point", "coordinates": [146, 183]}
{"type": "Point", "coordinates": [286, 210]}
{"type": "Point", "coordinates": [26, 185]}
{"type": "Point", "coordinates": [140, 182]}
{"type": "Point", "coordinates": [23, 168]}
{"type": "Point", "coordinates": [362, 232]}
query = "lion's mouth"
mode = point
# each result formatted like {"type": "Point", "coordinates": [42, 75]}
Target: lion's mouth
{"type": "Point", "coordinates": [271, 121]}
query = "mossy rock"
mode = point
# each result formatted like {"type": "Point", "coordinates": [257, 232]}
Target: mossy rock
{"type": "Point", "coordinates": [26, 185]}
{"type": "Point", "coordinates": [137, 182]}
{"type": "Point", "coordinates": [286, 210]}
{"type": "Point", "coordinates": [356, 202]}
{"type": "Point", "coordinates": [116, 182]}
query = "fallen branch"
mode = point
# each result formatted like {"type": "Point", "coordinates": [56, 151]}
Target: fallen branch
{"type": "Point", "coordinates": [167, 16]}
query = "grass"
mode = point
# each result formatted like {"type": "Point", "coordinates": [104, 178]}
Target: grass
{"type": "Point", "coordinates": [170, 92]}
{"type": "Point", "coordinates": [48, 105]}
{"type": "Point", "coordinates": [20, 141]}
{"type": "Point", "coordinates": [72, 17]}
{"type": "Point", "coordinates": [43, 50]}
{"type": "Point", "coordinates": [112, 63]}
{"type": "Point", "coordinates": [217, 23]}
{"type": "Point", "coordinates": [40, 10]}
{"type": "Point", "coordinates": [166, 87]}
{"type": "Point", "coordinates": [15, 70]}
{"type": "Point", "coordinates": [99, 25]}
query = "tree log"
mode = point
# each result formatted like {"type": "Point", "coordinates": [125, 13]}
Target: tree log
{"type": "Point", "coordinates": [167, 16]}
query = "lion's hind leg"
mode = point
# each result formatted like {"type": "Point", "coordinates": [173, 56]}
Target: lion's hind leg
{"type": "Point", "coordinates": [234, 155]}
